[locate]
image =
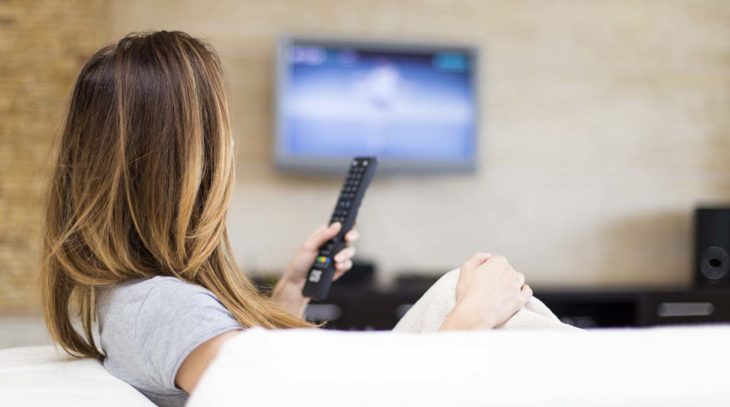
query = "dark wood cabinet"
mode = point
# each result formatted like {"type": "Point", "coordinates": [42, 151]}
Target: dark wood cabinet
{"type": "Point", "coordinates": [362, 308]}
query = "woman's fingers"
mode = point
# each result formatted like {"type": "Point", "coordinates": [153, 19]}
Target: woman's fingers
{"type": "Point", "coordinates": [324, 233]}
{"type": "Point", "coordinates": [342, 268]}
{"type": "Point", "coordinates": [344, 254]}
{"type": "Point", "coordinates": [352, 235]}
{"type": "Point", "coordinates": [526, 292]}
{"type": "Point", "coordinates": [520, 279]}
{"type": "Point", "coordinates": [343, 261]}
{"type": "Point", "coordinates": [476, 260]}
{"type": "Point", "coordinates": [321, 235]}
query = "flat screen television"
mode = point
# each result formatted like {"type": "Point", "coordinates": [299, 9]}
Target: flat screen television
{"type": "Point", "coordinates": [412, 106]}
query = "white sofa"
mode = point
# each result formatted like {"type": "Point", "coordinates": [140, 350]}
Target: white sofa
{"type": "Point", "coordinates": [42, 376]}
{"type": "Point", "coordinates": [631, 367]}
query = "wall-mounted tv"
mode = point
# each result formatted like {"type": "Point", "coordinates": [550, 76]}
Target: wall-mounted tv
{"type": "Point", "coordinates": [412, 106]}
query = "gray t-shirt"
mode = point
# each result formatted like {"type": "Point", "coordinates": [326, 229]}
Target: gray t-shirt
{"type": "Point", "coordinates": [149, 326]}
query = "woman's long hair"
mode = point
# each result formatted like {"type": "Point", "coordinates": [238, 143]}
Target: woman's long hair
{"type": "Point", "coordinates": [141, 185]}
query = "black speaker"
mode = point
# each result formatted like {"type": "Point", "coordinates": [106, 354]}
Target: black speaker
{"type": "Point", "coordinates": [712, 247]}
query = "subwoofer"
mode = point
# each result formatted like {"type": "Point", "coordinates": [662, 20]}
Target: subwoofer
{"type": "Point", "coordinates": [712, 247]}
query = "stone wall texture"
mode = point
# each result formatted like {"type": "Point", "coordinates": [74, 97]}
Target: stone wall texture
{"type": "Point", "coordinates": [603, 124]}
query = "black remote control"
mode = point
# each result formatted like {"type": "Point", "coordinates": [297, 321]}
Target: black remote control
{"type": "Point", "coordinates": [358, 178]}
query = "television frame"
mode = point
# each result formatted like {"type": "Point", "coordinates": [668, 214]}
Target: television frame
{"type": "Point", "coordinates": [288, 163]}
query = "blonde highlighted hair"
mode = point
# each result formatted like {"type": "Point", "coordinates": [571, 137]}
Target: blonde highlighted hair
{"type": "Point", "coordinates": [141, 185]}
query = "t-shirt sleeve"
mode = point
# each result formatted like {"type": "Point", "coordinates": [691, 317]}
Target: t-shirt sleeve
{"type": "Point", "coordinates": [174, 319]}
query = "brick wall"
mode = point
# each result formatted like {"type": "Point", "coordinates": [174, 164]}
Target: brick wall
{"type": "Point", "coordinates": [42, 46]}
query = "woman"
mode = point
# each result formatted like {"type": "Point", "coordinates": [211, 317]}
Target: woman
{"type": "Point", "coordinates": [135, 229]}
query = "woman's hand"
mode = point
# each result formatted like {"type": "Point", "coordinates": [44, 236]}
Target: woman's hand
{"type": "Point", "coordinates": [288, 291]}
{"type": "Point", "coordinates": [489, 291]}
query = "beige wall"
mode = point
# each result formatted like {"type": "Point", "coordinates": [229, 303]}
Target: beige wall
{"type": "Point", "coordinates": [42, 46]}
{"type": "Point", "coordinates": [604, 123]}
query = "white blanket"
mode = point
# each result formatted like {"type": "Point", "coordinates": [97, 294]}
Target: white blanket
{"type": "Point", "coordinates": [429, 312]}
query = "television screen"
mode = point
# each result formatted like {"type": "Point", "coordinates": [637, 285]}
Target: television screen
{"type": "Point", "coordinates": [414, 107]}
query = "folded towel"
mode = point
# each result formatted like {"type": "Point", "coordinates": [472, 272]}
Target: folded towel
{"type": "Point", "coordinates": [429, 312]}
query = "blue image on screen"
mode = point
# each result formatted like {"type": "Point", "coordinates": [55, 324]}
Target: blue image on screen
{"type": "Point", "coordinates": [341, 102]}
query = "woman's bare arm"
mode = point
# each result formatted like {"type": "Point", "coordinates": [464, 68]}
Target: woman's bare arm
{"type": "Point", "coordinates": [196, 363]}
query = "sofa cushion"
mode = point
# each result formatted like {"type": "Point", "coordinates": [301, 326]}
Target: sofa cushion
{"type": "Point", "coordinates": [45, 376]}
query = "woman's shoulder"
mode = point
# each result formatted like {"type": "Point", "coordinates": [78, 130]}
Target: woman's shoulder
{"type": "Point", "coordinates": [149, 326]}
{"type": "Point", "coordinates": [130, 301]}
{"type": "Point", "coordinates": [154, 282]}
{"type": "Point", "coordinates": [141, 289]}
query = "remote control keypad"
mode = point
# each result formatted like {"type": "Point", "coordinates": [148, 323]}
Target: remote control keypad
{"type": "Point", "coordinates": [320, 276]}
